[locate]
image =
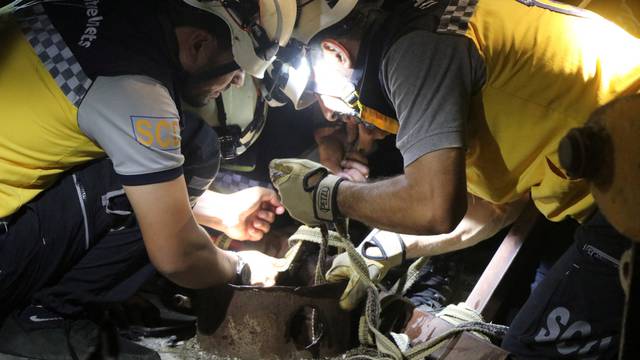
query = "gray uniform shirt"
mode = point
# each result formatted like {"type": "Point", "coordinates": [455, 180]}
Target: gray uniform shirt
{"type": "Point", "coordinates": [136, 122]}
{"type": "Point", "coordinates": [430, 79]}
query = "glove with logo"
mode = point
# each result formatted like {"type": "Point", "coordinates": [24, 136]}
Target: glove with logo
{"type": "Point", "coordinates": [381, 251]}
{"type": "Point", "coordinates": [307, 190]}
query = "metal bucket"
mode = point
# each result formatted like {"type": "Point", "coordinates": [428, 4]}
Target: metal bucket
{"type": "Point", "coordinates": [281, 322]}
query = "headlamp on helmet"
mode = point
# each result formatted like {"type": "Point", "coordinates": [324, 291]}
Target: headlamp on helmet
{"type": "Point", "coordinates": [258, 28]}
{"type": "Point", "coordinates": [288, 78]}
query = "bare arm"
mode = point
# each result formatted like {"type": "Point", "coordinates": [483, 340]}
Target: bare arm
{"type": "Point", "coordinates": [430, 198]}
{"type": "Point", "coordinates": [482, 220]}
{"type": "Point", "coordinates": [177, 246]}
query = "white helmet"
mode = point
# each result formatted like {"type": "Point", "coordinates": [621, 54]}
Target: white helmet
{"type": "Point", "coordinates": [287, 79]}
{"type": "Point", "coordinates": [258, 28]}
{"type": "Point", "coordinates": [317, 15]}
{"type": "Point", "coordinates": [238, 115]}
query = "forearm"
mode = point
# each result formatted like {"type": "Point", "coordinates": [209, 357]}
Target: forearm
{"type": "Point", "coordinates": [482, 221]}
{"type": "Point", "coordinates": [429, 198]}
{"type": "Point", "coordinates": [194, 261]}
{"type": "Point", "coordinates": [202, 264]}
{"type": "Point", "coordinates": [177, 246]}
{"type": "Point", "coordinates": [392, 205]}
{"type": "Point", "coordinates": [209, 210]}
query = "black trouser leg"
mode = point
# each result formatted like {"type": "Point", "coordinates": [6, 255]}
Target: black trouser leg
{"type": "Point", "coordinates": [111, 271]}
{"type": "Point", "coordinates": [576, 311]}
{"type": "Point", "coordinates": [64, 255]}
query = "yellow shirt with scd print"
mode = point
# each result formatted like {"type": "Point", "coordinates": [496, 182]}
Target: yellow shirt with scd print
{"type": "Point", "coordinates": [546, 73]}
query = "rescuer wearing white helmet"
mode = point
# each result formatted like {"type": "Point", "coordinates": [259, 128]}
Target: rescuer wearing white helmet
{"type": "Point", "coordinates": [92, 79]}
{"type": "Point", "coordinates": [342, 146]}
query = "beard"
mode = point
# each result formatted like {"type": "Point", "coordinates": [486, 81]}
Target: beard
{"type": "Point", "coordinates": [194, 92]}
{"type": "Point", "coordinates": [196, 87]}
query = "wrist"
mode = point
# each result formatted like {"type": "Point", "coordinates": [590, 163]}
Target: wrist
{"type": "Point", "coordinates": [326, 199]}
{"type": "Point", "coordinates": [242, 271]}
{"type": "Point", "coordinates": [230, 259]}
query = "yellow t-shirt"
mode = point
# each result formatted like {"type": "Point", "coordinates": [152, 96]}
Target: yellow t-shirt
{"type": "Point", "coordinates": [546, 73]}
{"type": "Point", "coordinates": [40, 137]}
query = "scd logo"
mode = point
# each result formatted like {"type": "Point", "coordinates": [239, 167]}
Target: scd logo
{"type": "Point", "coordinates": [157, 132]}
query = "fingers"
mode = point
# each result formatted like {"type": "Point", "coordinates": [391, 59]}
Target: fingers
{"type": "Point", "coordinates": [261, 225]}
{"type": "Point", "coordinates": [354, 175]}
{"type": "Point", "coordinates": [356, 165]}
{"type": "Point", "coordinates": [357, 156]}
{"type": "Point", "coordinates": [275, 205]}
{"type": "Point", "coordinates": [273, 199]}
{"type": "Point", "coordinates": [345, 175]}
{"type": "Point", "coordinates": [266, 215]}
{"type": "Point", "coordinates": [253, 234]}
{"type": "Point", "coordinates": [355, 170]}
{"type": "Point", "coordinates": [270, 202]}
{"type": "Point", "coordinates": [264, 269]}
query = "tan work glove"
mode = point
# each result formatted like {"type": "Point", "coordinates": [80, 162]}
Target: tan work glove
{"type": "Point", "coordinates": [307, 190]}
{"type": "Point", "coordinates": [381, 251]}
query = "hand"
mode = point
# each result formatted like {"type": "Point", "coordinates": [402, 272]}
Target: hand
{"type": "Point", "coordinates": [250, 212]}
{"type": "Point", "coordinates": [354, 167]}
{"type": "Point", "coordinates": [243, 215]}
{"type": "Point", "coordinates": [381, 251]}
{"type": "Point", "coordinates": [332, 148]}
{"type": "Point", "coordinates": [264, 268]}
{"type": "Point", "coordinates": [307, 190]}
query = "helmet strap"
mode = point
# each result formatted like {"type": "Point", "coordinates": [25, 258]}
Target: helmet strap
{"type": "Point", "coordinates": [216, 71]}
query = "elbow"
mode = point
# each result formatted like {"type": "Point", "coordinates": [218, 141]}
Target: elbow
{"type": "Point", "coordinates": [175, 266]}
{"type": "Point", "coordinates": [182, 274]}
{"type": "Point", "coordinates": [441, 218]}
{"type": "Point", "coordinates": [172, 269]}
{"type": "Point", "coordinates": [448, 220]}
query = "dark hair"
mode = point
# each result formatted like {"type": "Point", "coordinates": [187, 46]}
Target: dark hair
{"type": "Point", "coordinates": [183, 14]}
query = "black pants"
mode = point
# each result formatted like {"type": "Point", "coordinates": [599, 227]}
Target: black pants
{"type": "Point", "coordinates": [576, 311]}
{"type": "Point", "coordinates": [64, 251]}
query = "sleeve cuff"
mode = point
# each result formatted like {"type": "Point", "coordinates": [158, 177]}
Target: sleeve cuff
{"type": "Point", "coordinates": [152, 178]}
{"type": "Point", "coordinates": [423, 146]}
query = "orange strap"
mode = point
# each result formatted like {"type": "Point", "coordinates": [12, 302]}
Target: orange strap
{"type": "Point", "coordinates": [379, 120]}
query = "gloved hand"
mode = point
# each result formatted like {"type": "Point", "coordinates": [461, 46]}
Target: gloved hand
{"type": "Point", "coordinates": [381, 251]}
{"type": "Point", "coordinates": [307, 189]}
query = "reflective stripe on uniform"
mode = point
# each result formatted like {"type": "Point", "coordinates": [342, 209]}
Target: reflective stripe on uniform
{"type": "Point", "coordinates": [40, 136]}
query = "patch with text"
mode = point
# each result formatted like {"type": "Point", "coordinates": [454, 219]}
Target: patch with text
{"type": "Point", "coordinates": [161, 133]}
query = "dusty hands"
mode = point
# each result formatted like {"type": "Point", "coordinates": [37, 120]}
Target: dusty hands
{"type": "Point", "coordinates": [264, 268]}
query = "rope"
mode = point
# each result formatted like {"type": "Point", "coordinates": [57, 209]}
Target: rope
{"type": "Point", "coordinates": [322, 256]}
{"type": "Point", "coordinates": [463, 317]}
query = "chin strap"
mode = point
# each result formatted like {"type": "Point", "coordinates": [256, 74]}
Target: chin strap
{"type": "Point", "coordinates": [369, 116]}
{"type": "Point", "coordinates": [216, 71]}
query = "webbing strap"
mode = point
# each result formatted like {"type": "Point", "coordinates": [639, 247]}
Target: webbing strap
{"type": "Point", "coordinates": [372, 309]}
{"type": "Point", "coordinates": [322, 256]}
{"type": "Point", "coordinates": [368, 333]}
{"type": "Point", "coordinates": [314, 235]}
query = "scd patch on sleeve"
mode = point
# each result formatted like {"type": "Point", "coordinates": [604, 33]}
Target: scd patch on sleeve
{"type": "Point", "coordinates": [162, 133]}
